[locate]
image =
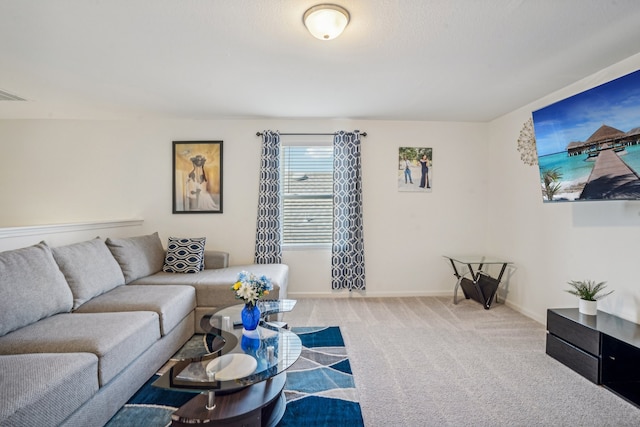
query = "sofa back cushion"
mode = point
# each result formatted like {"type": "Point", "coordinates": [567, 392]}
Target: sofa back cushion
{"type": "Point", "coordinates": [139, 256]}
{"type": "Point", "coordinates": [89, 268]}
{"type": "Point", "coordinates": [31, 287]}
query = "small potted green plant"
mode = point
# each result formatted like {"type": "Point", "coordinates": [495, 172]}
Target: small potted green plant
{"type": "Point", "coordinates": [589, 293]}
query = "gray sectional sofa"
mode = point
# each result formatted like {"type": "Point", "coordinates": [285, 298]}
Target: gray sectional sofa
{"type": "Point", "coordinates": [83, 326]}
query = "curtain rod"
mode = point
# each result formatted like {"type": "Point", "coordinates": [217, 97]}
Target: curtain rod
{"type": "Point", "coordinates": [313, 134]}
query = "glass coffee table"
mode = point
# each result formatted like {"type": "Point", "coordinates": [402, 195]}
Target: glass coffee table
{"type": "Point", "coordinates": [238, 375]}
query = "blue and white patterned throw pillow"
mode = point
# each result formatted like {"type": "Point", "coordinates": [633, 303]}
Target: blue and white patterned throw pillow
{"type": "Point", "coordinates": [184, 255]}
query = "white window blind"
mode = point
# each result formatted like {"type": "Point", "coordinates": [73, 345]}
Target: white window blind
{"type": "Point", "coordinates": [307, 190]}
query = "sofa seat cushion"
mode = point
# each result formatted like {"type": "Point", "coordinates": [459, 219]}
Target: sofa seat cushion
{"type": "Point", "coordinates": [213, 287]}
{"type": "Point", "coordinates": [53, 384]}
{"type": "Point", "coordinates": [31, 287]}
{"type": "Point", "coordinates": [138, 256]}
{"type": "Point", "coordinates": [89, 268]}
{"type": "Point", "coordinates": [116, 338]}
{"type": "Point", "coordinates": [172, 303]}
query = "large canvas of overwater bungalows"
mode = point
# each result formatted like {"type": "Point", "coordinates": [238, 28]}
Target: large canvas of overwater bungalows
{"type": "Point", "coordinates": [588, 145]}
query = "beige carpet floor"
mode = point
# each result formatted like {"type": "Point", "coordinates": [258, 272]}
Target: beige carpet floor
{"type": "Point", "coordinates": [427, 362]}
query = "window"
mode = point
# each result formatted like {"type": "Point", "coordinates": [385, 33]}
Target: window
{"type": "Point", "coordinates": [307, 195]}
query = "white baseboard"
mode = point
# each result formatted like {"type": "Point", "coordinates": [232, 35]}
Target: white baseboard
{"type": "Point", "coordinates": [359, 294]}
{"type": "Point", "coordinates": [525, 312]}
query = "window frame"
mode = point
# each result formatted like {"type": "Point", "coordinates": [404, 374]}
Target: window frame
{"type": "Point", "coordinates": [302, 142]}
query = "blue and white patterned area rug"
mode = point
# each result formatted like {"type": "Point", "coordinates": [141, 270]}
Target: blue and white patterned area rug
{"type": "Point", "coordinates": [320, 390]}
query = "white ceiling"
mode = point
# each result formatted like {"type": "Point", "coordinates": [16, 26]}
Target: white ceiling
{"type": "Point", "coordinates": [459, 60]}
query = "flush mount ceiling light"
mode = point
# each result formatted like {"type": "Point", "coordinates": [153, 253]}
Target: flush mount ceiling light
{"type": "Point", "coordinates": [326, 21]}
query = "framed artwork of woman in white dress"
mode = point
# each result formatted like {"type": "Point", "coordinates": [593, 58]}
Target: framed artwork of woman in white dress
{"type": "Point", "coordinates": [197, 176]}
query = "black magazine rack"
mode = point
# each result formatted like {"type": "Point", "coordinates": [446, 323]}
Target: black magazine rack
{"type": "Point", "coordinates": [479, 285]}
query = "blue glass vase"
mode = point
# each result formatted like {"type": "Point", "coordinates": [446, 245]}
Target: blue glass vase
{"type": "Point", "coordinates": [250, 317]}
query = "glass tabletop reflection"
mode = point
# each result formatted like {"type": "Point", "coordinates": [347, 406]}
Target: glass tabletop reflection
{"type": "Point", "coordinates": [230, 358]}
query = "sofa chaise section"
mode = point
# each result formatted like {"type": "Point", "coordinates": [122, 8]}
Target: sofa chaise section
{"type": "Point", "coordinates": [213, 286]}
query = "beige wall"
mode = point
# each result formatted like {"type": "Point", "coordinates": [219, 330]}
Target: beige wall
{"type": "Point", "coordinates": [554, 243]}
{"type": "Point", "coordinates": [75, 171]}
{"type": "Point", "coordinates": [484, 200]}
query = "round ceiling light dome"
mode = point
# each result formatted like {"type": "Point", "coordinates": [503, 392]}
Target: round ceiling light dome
{"type": "Point", "coordinates": [326, 21]}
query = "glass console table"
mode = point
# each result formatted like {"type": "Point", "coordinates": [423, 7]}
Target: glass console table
{"type": "Point", "coordinates": [479, 285]}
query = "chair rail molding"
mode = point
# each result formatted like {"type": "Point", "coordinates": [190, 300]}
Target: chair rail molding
{"type": "Point", "coordinates": [30, 230]}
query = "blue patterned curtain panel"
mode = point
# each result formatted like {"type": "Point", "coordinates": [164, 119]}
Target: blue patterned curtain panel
{"type": "Point", "coordinates": [268, 229]}
{"type": "Point", "coordinates": [347, 251]}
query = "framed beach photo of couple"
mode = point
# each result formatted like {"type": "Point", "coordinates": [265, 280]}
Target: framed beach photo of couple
{"type": "Point", "coordinates": [415, 169]}
{"type": "Point", "coordinates": [197, 177]}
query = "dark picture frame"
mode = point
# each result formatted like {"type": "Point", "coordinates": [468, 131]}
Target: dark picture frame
{"type": "Point", "coordinates": [197, 177]}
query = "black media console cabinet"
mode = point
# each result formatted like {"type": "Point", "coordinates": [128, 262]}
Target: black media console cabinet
{"type": "Point", "coordinates": [604, 348]}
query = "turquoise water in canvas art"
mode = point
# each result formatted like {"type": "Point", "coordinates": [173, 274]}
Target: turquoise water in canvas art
{"type": "Point", "coordinates": [576, 168]}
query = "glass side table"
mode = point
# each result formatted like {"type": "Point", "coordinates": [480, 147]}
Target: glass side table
{"type": "Point", "coordinates": [479, 285]}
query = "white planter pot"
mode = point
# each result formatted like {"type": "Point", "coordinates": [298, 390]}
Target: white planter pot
{"type": "Point", "coordinates": [588, 307]}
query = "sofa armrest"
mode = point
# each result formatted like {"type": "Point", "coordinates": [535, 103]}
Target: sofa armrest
{"type": "Point", "coordinates": [215, 259]}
